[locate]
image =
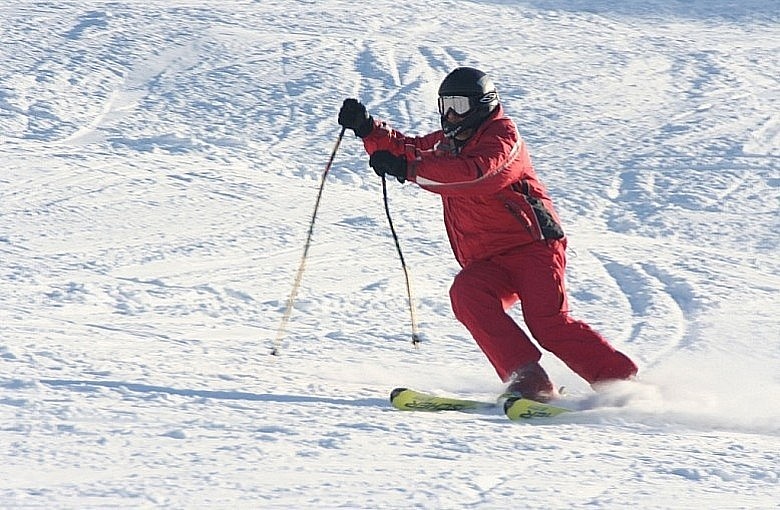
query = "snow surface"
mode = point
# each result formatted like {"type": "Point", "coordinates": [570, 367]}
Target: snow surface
{"type": "Point", "coordinates": [160, 162]}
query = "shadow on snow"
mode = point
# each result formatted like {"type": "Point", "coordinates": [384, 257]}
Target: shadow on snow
{"type": "Point", "coordinates": [218, 395]}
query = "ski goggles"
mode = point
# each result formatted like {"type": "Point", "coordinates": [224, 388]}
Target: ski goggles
{"type": "Point", "coordinates": [458, 104]}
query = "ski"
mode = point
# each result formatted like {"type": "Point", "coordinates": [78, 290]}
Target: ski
{"type": "Point", "coordinates": [406, 399]}
{"type": "Point", "coordinates": [515, 408]}
{"type": "Point", "coordinates": [525, 409]}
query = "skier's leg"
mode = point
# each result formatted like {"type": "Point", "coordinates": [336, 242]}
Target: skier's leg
{"type": "Point", "coordinates": [480, 295]}
{"type": "Point", "coordinates": [540, 278]}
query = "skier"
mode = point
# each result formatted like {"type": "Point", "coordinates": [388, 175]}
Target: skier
{"type": "Point", "coordinates": [503, 230]}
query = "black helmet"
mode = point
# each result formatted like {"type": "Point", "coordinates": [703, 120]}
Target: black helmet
{"type": "Point", "coordinates": [470, 93]}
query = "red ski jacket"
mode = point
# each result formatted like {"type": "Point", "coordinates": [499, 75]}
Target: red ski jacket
{"type": "Point", "coordinates": [493, 201]}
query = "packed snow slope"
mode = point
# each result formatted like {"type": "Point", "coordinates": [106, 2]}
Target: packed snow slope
{"type": "Point", "coordinates": [160, 163]}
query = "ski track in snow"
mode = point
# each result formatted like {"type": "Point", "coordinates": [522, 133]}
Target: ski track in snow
{"type": "Point", "coordinates": [160, 165]}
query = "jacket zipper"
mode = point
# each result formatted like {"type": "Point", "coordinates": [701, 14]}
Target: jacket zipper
{"type": "Point", "coordinates": [537, 235]}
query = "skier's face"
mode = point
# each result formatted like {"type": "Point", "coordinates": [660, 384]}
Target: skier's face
{"type": "Point", "coordinates": [454, 117]}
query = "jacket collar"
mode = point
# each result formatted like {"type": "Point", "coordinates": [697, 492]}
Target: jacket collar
{"type": "Point", "coordinates": [497, 113]}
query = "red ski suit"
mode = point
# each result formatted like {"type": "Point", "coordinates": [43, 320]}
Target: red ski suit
{"type": "Point", "coordinates": [506, 236]}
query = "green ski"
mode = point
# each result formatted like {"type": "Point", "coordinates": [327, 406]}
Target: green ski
{"type": "Point", "coordinates": [515, 408]}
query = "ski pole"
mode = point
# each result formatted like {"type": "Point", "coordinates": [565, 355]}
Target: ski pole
{"type": "Point", "coordinates": [291, 300]}
{"type": "Point", "coordinates": [409, 294]}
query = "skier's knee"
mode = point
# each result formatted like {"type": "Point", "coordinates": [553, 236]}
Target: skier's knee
{"type": "Point", "coordinates": [546, 329]}
{"type": "Point", "coordinates": [458, 292]}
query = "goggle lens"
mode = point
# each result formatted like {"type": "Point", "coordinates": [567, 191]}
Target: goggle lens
{"type": "Point", "coordinates": [458, 104]}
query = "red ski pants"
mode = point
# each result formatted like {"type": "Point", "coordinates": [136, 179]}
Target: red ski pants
{"type": "Point", "coordinates": [534, 275]}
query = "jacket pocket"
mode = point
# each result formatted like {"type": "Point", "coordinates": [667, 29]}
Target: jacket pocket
{"type": "Point", "coordinates": [550, 228]}
{"type": "Point", "coordinates": [523, 219]}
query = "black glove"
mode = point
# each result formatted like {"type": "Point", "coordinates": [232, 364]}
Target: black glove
{"type": "Point", "coordinates": [353, 115]}
{"type": "Point", "coordinates": [383, 163]}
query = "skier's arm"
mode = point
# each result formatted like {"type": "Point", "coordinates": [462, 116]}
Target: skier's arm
{"type": "Point", "coordinates": [500, 160]}
{"type": "Point", "coordinates": [384, 138]}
